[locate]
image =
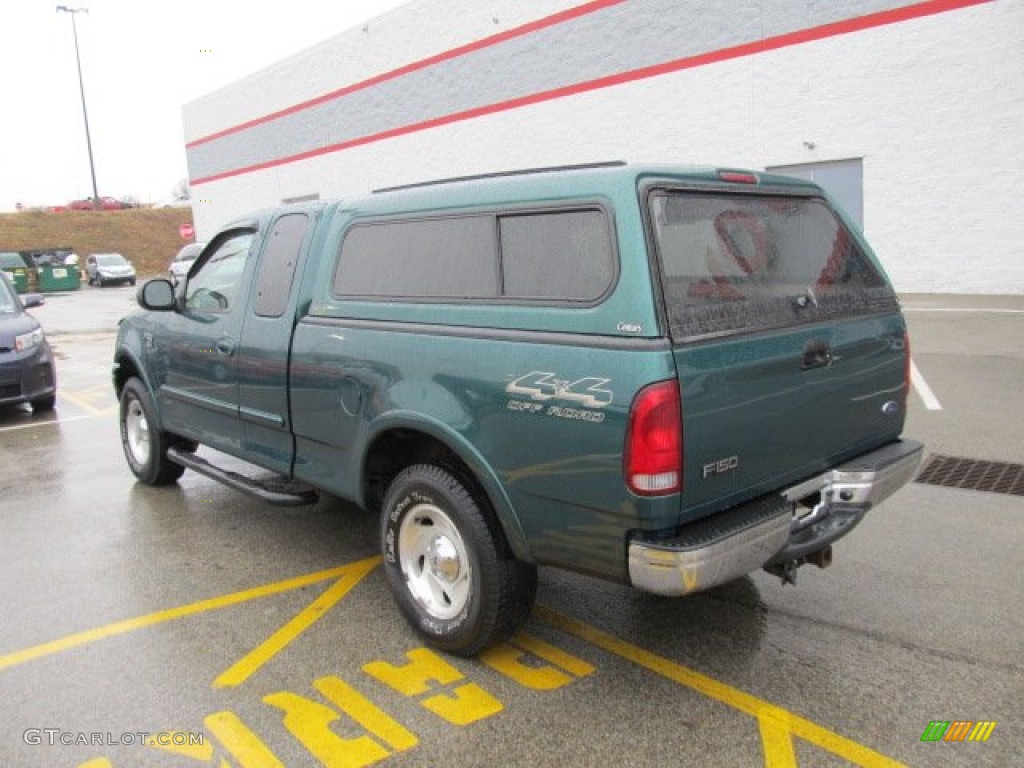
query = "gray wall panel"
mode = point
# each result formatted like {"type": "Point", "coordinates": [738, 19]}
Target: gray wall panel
{"type": "Point", "coordinates": [618, 39]}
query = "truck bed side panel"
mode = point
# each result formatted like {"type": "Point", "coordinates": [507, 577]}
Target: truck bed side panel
{"type": "Point", "coordinates": [546, 418]}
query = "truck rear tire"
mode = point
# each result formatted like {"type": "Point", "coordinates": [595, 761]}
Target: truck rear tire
{"type": "Point", "coordinates": [145, 444]}
{"type": "Point", "coordinates": [447, 563]}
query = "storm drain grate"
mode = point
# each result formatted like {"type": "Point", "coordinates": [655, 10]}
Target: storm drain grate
{"type": "Point", "coordinates": [973, 474]}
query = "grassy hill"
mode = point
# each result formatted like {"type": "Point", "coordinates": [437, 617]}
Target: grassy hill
{"type": "Point", "coordinates": [147, 237]}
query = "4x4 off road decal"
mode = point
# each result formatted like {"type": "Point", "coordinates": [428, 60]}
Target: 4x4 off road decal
{"type": "Point", "coordinates": [588, 392]}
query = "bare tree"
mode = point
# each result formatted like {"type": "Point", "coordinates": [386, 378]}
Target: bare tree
{"type": "Point", "coordinates": [181, 190]}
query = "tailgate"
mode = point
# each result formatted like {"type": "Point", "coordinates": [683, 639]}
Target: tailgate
{"type": "Point", "coordinates": [788, 340]}
{"type": "Point", "coordinates": [756, 416]}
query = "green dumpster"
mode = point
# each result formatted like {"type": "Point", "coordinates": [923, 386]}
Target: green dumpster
{"type": "Point", "coordinates": [14, 265]}
{"type": "Point", "coordinates": [19, 278]}
{"type": "Point", "coordinates": [59, 278]}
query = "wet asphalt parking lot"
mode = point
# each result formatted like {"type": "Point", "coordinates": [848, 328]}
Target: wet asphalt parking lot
{"type": "Point", "coordinates": [192, 625]}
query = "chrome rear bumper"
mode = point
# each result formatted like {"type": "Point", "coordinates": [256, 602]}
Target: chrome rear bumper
{"type": "Point", "coordinates": [773, 529]}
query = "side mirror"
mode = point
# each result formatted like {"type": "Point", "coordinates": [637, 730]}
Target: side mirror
{"type": "Point", "coordinates": [156, 295]}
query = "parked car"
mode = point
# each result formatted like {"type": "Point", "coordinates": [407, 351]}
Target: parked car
{"type": "Point", "coordinates": [103, 268]}
{"type": "Point", "coordinates": [174, 202]}
{"type": "Point", "coordinates": [106, 204]}
{"type": "Point", "coordinates": [27, 372]}
{"type": "Point", "coordinates": [183, 261]}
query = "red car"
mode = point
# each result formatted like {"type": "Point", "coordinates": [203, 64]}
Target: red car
{"type": "Point", "coordinates": [106, 204]}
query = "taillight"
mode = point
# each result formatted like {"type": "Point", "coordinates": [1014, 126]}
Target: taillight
{"type": "Point", "coordinates": [653, 456]}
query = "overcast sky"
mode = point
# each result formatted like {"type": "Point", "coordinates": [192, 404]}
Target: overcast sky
{"type": "Point", "coordinates": [142, 60]}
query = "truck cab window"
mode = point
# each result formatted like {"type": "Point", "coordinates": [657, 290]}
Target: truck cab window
{"type": "Point", "coordinates": [214, 288]}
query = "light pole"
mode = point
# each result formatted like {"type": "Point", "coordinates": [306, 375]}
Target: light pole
{"type": "Point", "coordinates": [81, 89]}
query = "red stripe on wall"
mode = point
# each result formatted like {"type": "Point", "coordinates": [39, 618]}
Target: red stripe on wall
{"type": "Point", "coordinates": [454, 53]}
{"type": "Point", "coordinates": [835, 29]}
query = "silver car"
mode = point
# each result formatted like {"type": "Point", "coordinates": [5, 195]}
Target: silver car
{"type": "Point", "coordinates": [104, 268]}
{"type": "Point", "coordinates": [183, 261]}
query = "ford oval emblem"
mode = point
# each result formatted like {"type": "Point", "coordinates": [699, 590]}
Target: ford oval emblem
{"type": "Point", "coordinates": [891, 408]}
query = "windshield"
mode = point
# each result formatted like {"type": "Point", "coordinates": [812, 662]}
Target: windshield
{"type": "Point", "coordinates": [734, 263]}
{"type": "Point", "coordinates": [7, 300]}
{"type": "Point", "coordinates": [111, 260]}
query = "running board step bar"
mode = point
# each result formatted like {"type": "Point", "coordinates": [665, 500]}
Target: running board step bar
{"type": "Point", "coordinates": [276, 490]}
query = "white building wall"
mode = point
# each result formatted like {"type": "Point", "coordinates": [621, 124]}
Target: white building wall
{"type": "Point", "coordinates": [933, 104]}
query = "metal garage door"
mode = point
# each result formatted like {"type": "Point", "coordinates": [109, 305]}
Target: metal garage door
{"type": "Point", "coordinates": [843, 179]}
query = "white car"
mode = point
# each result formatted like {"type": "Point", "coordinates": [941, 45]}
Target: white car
{"type": "Point", "coordinates": [176, 202]}
{"type": "Point", "coordinates": [103, 268]}
{"type": "Point", "coordinates": [183, 261]}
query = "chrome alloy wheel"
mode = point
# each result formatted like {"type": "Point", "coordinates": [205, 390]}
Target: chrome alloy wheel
{"type": "Point", "coordinates": [136, 429]}
{"type": "Point", "coordinates": [434, 561]}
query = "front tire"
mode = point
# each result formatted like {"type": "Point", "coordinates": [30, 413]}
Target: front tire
{"type": "Point", "coordinates": [145, 444]}
{"type": "Point", "coordinates": [447, 563]}
{"type": "Point", "coordinates": [43, 404]}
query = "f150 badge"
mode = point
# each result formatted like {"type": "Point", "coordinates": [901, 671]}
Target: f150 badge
{"type": "Point", "coordinates": [542, 386]}
{"type": "Point", "coordinates": [720, 467]}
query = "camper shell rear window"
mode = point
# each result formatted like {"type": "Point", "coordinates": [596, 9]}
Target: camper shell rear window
{"type": "Point", "coordinates": [730, 263]}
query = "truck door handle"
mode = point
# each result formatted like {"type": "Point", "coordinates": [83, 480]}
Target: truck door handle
{"type": "Point", "coordinates": [817, 354]}
{"type": "Point", "coordinates": [226, 346]}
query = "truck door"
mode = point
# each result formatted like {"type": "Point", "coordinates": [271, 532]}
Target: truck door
{"type": "Point", "coordinates": [199, 396]}
{"type": "Point", "coordinates": [265, 345]}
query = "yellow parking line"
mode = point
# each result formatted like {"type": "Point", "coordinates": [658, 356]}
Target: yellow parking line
{"type": "Point", "coordinates": [83, 404]}
{"type": "Point", "coordinates": [780, 724]}
{"type": "Point", "coordinates": [241, 670]}
{"type": "Point", "coordinates": [777, 742]}
{"type": "Point", "coordinates": [150, 619]}
{"type": "Point", "coordinates": [777, 726]}
{"type": "Point", "coordinates": [96, 392]}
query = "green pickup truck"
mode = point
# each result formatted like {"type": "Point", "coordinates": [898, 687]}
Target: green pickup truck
{"type": "Point", "coordinates": [661, 375]}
